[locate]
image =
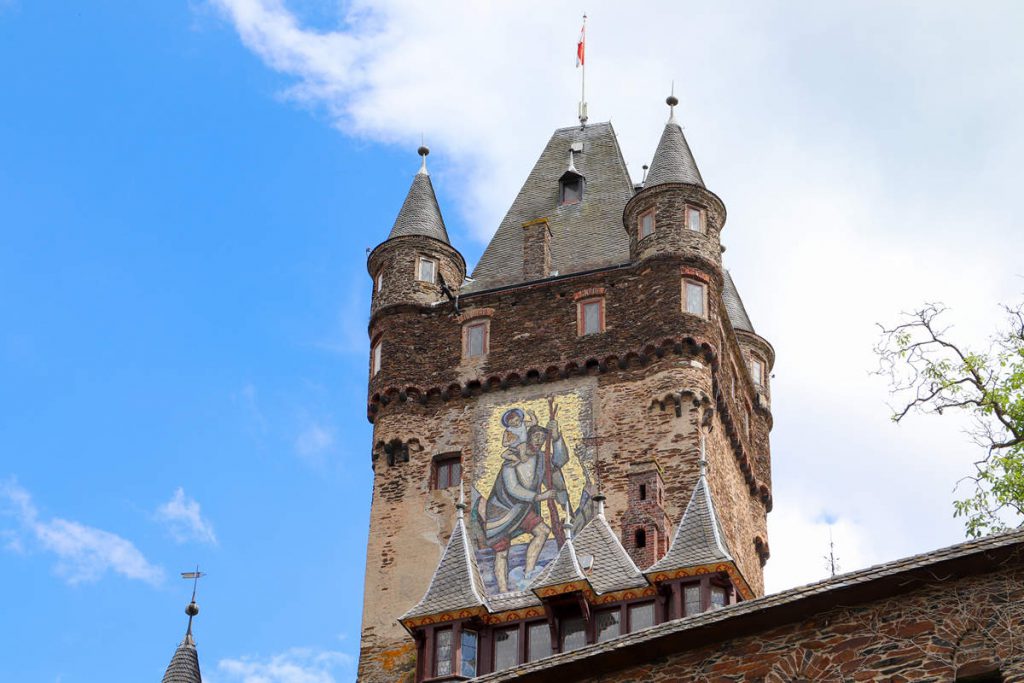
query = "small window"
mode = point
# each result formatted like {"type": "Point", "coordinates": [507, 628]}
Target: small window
{"type": "Point", "coordinates": [571, 190]}
{"type": "Point", "coordinates": [756, 371]}
{"type": "Point", "coordinates": [641, 616]}
{"type": "Point", "coordinates": [375, 358]}
{"type": "Point", "coordinates": [606, 624]}
{"type": "Point", "coordinates": [468, 665]}
{"type": "Point", "coordinates": [538, 641]}
{"type": "Point", "coordinates": [640, 538]}
{"type": "Point", "coordinates": [378, 282]}
{"type": "Point", "coordinates": [443, 652]}
{"type": "Point", "coordinates": [643, 491]}
{"type": "Point", "coordinates": [691, 599]}
{"type": "Point", "coordinates": [694, 295]}
{"type": "Point", "coordinates": [506, 648]}
{"type": "Point", "coordinates": [646, 223]}
{"type": "Point", "coordinates": [426, 270]}
{"type": "Point", "coordinates": [476, 339]}
{"type": "Point", "coordinates": [591, 316]}
{"type": "Point", "coordinates": [694, 219]}
{"type": "Point", "coordinates": [717, 597]}
{"type": "Point", "coordinates": [574, 633]}
{"type": "Point", "coordinates": [447, 470]}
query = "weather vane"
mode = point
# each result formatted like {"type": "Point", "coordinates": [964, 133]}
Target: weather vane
{"type": "Point", "coordinates": [192, 609]}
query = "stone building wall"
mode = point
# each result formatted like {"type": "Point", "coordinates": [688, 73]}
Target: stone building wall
{"type": "Point", "coordinates": [943, 632]}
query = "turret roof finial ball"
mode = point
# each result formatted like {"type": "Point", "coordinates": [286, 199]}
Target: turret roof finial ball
{"type": "Point", "coordinates": [423, 150]}
{"type": "Point", "coordinates": [192, 609]}
{"type": "Point", "coordinates": [671, 100]}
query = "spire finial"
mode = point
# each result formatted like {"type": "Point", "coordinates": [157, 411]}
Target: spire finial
{"type": "Point", "coordinates": [672, 101]}
{"type": "Point", "coordinates": [423, 151]}
{"type": "Point", "coordinates": [600, 498]}
{"type": "Point", "coordinates": [581, 63]}
{"type": "Point", "coordinates": [461, 505]}
{"type": "Point", "coordinates": [192, 609]}
{"type": "Point", "coordinates": [568, 525]}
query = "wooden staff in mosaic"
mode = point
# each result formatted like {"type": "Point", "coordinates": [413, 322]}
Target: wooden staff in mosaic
{"type": "Point", "coordinates": [549, 466]}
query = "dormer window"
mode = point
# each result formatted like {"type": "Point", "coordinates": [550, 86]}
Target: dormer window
{"type": "Point", "coordinates": [570, 188]}
{"type": "Point", "coordinates": [426, 269]}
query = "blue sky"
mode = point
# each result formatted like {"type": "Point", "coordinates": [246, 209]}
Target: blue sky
{"type": "Point", "coordinates": [187, 191]}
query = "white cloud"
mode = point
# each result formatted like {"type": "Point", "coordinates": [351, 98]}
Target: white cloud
{"type": "Point", "coordinates": [297, 665]}
{"type": "Point", "coordinates": [84, 553]}
{"type": "Point", "coordinates": [314, 441]}
{"type": "Point", "coordinates": [868, 156]}
{"type": "Point", "coordinates": [184, 519]}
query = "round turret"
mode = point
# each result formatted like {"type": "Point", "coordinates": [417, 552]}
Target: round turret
{"type": "Point", "coordinates": [674, 213]}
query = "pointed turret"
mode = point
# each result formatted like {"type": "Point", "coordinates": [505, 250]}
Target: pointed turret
{"type": "Point", "coordinates": [699, 545]}
{"type": "Point", "coordinates": [612, 569]}
{"type": "Point", "coordinates": [420, 213]}
{"type": "Point", "coordinates": [673, 161]}
{"type": "Point", "coordinates": [563, 574]}
{"type": "Point", "coordinates": [456, 589]}
{"type": "Point", "coordinates": [184, 666]}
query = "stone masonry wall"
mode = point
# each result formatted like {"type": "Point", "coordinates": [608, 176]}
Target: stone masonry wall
{"type": "Point", "coordinates": [945, 631]}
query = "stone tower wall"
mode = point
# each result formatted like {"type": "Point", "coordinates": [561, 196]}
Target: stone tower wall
{"type": "Point", "coordinates": [649, 377]}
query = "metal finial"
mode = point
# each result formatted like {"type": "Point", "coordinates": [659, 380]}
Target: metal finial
{"type": "Point", "coordinates": [672, 101]}
{"type": "Point", "coordinates": [600, 498]}
{"type": "Point", "coordinates": [461, 505]}
{"type": "Point", "coordinates": [703, 455]}
{"type": "Point", "coordinates": [423, 151]}
{"type": "Point", "coordinates": [572, 162]}
{"type": "Point", "coordinates": [568, 525]}
{"type": "Point", "coordinates": [192, 609]}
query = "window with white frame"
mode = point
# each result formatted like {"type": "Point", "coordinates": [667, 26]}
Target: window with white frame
{"type": "Point", "coordinates": [476, 338]}
{"type": "Point", "coordinates": [426, 269]}
{"type": "Point", "coordinates": [590, 314]}
{"type": "Point", "coordinates": [646, 224]}
{"type": "Point", "coordinates": [375, 358]}
{"type": "Point", "coordinates": [694, 297]}
{"type": "Point", "coordinates": [757, 371]}
{"type": "Point", "coordinates": [694, 219]}
{"type": "Point", "coordinates": [378, 282]}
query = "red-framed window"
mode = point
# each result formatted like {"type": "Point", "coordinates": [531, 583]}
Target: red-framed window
{"type": "Point", "coordinates": [590, 316]}
{"type": "Point", "coordinates": [447, 471]}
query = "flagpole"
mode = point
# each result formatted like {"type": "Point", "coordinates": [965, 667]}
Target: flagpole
{"type": "Point", "coordinates": [583, 75]}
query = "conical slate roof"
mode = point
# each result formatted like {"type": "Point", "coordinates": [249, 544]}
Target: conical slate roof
{"type": "Point", "coordinates": [613, 568]}
{"type": "Point", "coordinates": [734, 306]}
{"type": "Point", "coordinates": [565, 568]}
{"type": "Point", "coordinates": [420, 214]}
{"type": "Point", "coordinates": [456, 583]}
{"type": "Point", "coordinates": [184, 666]}
{"type": "Point", "coordinates": [673, 161]}
{"type": "Point", "coordinates": [699, 539]}
{"type": "Point", "coordinates": [585, 235]}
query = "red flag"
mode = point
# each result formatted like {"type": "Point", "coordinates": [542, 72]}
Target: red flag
{"type": "Point", "coordinates": [581, 46]}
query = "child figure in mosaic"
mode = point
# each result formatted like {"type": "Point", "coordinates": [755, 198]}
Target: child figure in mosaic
{"type": "Point", "coordinates": [517, 426]}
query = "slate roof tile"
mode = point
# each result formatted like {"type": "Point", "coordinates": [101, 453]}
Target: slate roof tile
{"type": "Point", "coordinates": [184, 666]}
{"type": "Point", "coordinates": [673, 161]}
{"type": "Point", "coordinates": [420, 214]}
{"type": "Point", "coordinates": [613, 569]}
{"type": "Point", "coordinates": [699, 539]}
{"type": "Point", "coordinates": [456, 582]}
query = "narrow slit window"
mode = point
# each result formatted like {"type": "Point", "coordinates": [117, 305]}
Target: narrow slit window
{"type": "Point", "coordinates": [694, 294]}
{"type": "Point", "coordinates": [640, 538]}
{"type": "Point", "coordinates": [694, 219]}
{"type": "Point", "coordinates": [646, 223]}
{"type": "Point", "coordinates": [379, 282]}
{"type": "Point", "coordinates": [757, 371]}
{"type": "Point", "coordinates": [375, 358]}
{"type": "Point", "coordinates": [426, 270]}
{"type": "Point", "coordinates": [643, 491]}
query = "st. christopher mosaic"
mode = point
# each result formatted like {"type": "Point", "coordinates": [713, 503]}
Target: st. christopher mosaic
{"type": "Point", "coordinates": [537, 470]}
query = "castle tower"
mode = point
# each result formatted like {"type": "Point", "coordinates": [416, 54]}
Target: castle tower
{"type": "Point", "coordinates": [599, 317]}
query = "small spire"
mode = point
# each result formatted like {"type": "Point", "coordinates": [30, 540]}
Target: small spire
{"type": "Point", "coordinates": [567, 526]}
{"type": "Point", "coordinates": [703, 462]}
{"type": "Point", "coordinates": [423, 151]}
{"type": "Point", "coordinates": [599, 499]}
